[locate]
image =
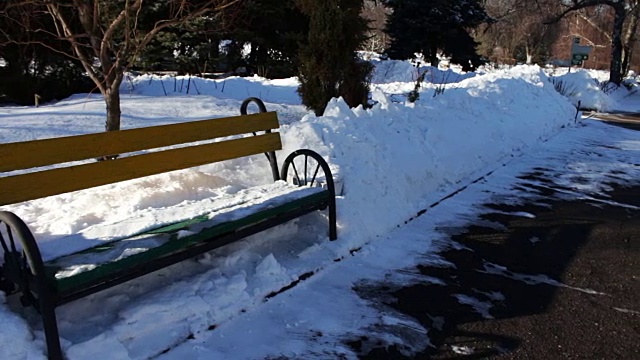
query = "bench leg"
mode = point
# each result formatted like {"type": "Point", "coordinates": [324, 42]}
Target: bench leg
{"type": "Point", "coordinates": [50, 325]}
{"type": "Point", "coordinates": [306, 174]}
{"type": "Point", "coordinates": [271, 155]}
{"type": "Point", "coordinates": [24, 268]}
{"type": "Point", "coordinates": [333, 227]}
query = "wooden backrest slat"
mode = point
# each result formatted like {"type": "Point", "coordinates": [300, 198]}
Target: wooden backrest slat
{"type": "Point", "coordinates": [39, 184]}
{"type": "Point", "coordinates": [36, 153]}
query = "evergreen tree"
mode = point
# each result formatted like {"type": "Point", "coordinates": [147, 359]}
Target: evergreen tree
{"type": "Point", "coordinates": [329, 65]}
{"type": "Point", "coordinates": [192, 48]}
{"type": "Point", "coordinates": [189, 49]}
{"type": "Point", "coordinates": [430, 26]}
{"type": "Point", "coordinates": [30, 69]}
{"type": "Point", "coordinates": [274, 43]}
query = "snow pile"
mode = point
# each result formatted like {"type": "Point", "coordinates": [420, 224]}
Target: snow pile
{"type": "Point", "coordinates": [581, 86]}
{"type": "Point", "coordinates": [393, 71]}
{"type": "Point", "coordinates": [591, 89]}
{"type": "Point", "coordinates": [280, 90]}
{"type": "Point", "coordinates": [395, 159]}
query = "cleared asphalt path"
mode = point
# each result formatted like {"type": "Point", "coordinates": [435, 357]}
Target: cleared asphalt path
{"type": "Point", "coordinates": [560, 283]}
{"type": "Point", "coordinates": [631, 120]}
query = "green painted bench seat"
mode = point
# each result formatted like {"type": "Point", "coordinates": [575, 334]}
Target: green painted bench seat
{"type": "Point", "coordinates": [96, 265]}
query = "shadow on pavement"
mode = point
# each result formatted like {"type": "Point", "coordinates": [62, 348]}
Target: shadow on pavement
{"type": "Point", "coordinates": [530, 287]}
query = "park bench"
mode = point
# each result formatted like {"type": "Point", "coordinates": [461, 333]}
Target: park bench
{"type": "Point", "coordinates": [32, 170]}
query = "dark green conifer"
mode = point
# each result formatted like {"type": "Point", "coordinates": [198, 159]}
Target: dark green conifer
{"type": "Point", "coordinates": [329, 63]}
{"type": "Point", "coordinates": [432, 26]}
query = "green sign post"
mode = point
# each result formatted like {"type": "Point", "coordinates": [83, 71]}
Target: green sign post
{"type": "Point", "coordinates": [579, 53]}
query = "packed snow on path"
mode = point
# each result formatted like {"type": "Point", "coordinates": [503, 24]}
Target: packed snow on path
{"type": "Point", "coordinates": [390, 161]}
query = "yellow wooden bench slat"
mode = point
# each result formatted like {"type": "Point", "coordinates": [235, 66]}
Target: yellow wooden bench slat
{"type": "Point", "coordinates": [36, 153]}
{"type": "Point", "coordinates": [23, 187]}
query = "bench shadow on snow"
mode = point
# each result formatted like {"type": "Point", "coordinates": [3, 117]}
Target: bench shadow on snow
{"type": "Point", "coordinates": [544, 245]}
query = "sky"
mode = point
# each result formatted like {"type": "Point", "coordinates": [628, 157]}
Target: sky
{"type": "Point", "coordinates": [389, 162]}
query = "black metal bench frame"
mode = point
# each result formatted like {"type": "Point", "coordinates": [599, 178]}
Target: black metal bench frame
{"type": "Point", "coordinates": [23, 270]}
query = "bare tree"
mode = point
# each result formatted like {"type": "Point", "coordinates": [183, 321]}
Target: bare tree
{"type": "Point", "coordinates": [630, 37]}
{"type": "Point", "coordinates": [621, 9]}
{"type": "Point", "coordinates": [629, 31]}
{"type": "Point", "coordinates": [519, 33]}
{"type": "Point", "coordinates": [106, 36]}
{"type": "Point", "coordinates": [376, 13]}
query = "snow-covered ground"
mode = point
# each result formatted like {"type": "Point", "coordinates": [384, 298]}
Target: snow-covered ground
{"type": "Point", "coordinates": [390, 161]}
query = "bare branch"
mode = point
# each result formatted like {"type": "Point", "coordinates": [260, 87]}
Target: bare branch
{"type": "Point", "coordinates": [589, 21]}
{"type": "Point", "coordinates": [176, 21]}
{"type": "Point", "coordinates": [111, 33]}
{"type": "Point", "coordinates": [65, 29]}
{"type": "Point", "coordinates": [582, 4]}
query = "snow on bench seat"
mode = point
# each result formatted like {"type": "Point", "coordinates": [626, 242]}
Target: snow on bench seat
{"type": "Point", "coordinates": [176, 232]}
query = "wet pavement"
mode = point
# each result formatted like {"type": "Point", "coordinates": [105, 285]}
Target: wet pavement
{"type": "Point", "coordinates": [627, 119]}
{"type": "Point", "coordinates": [559, 281]}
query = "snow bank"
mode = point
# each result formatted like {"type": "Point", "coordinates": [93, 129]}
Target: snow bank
{"type": "Point", "coordinates": [281, 91]}
{"type": "Point", "coordinates": [393, 71]}
{"type": "Point", "coordinates": [581, 86]}
{"type": "Point", "coordinates": [591, 89]}
{"type": "Point", "coordinates": [394, 159]}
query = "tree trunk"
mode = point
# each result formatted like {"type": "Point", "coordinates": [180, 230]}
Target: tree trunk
{"type": "Point", "coordinates": [626, 58]}
{"type": "Point", "coordinates": [630, 38]}
{"type": "Point", "coordinates": [615, 70]}
{"type": "Point", "coordinates": [112, 98]}
{"type": "Point", "coordinates": [433, 57]}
